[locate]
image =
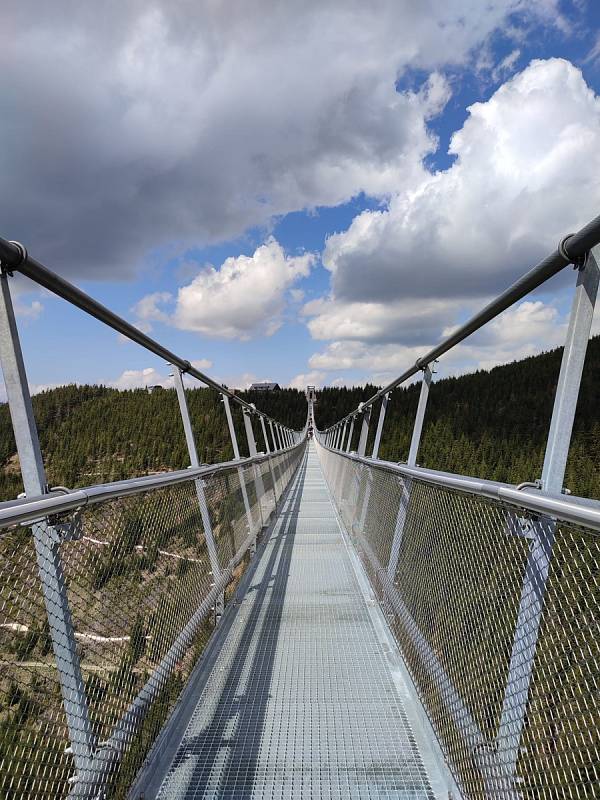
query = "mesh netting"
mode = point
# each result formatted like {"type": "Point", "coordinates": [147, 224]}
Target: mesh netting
{"type": "Point", "coordinates": [99, 633]}
{"type": "Point", "coordinates": [496, 612]}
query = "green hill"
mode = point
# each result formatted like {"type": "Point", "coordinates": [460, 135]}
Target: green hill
{"type": "Point", "coordinates": [491, 424]}
{"type": "Point", "coordinates": [90, 434]}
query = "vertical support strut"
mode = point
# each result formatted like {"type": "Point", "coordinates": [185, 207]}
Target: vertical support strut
{"type": "Point", "coordinates": [258, 482]}
{"type": "Point", "coordinates": [264, 433]}
{"type": "Point", "coordinates": [421, 408]}
{"type": "Point", "coordinates": [195, 462]}
{"type": "Point", "coordinates": [350, 435]}
{"type": "Point", "coordinates": [236, 455]}
{"type": "Point", "coordinates": [380, 422]}
{"type": "Point", "coordinates": [571, 370]}
{"type": "Point", "coordinates": [542, 532]}
{"type": "Point", "coordinates": [268, 452]}
{"type": "Point", "coordinates": [273, 439]}
{"type": "Point", "coordinates": [47, 539]}
{"type": "Point", "coordinates": [343, 439]}
{"type": "Point", "coordinates": [406, 483]}
{"type": "Point", "coordinates": [364, 431]}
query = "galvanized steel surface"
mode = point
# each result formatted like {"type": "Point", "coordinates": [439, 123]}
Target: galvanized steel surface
{"type": "Point", "coordinates": [301, 702]}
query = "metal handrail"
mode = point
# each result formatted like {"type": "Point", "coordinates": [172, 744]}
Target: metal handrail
{"type": "Point", "coordinates": [18, 512]}
{"type": "Point", "coordinates": [579, 244]}
{"type": "Point", "coordinates": [576, 510]}
{"type": "Point", "coordinates": [14, 257]}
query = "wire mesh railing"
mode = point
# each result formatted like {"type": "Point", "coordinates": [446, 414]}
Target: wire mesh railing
{"type": "Point", "coordinates": [104, 611]}
{"type": "Point", "coordinates": [495, 608]}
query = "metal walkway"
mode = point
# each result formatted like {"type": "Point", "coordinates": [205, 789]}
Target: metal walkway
{"type": "Point", "coordinates": [304, 699]}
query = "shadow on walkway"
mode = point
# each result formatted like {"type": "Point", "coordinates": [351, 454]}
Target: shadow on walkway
{"type": "Point", "coordinates": [227, 750]}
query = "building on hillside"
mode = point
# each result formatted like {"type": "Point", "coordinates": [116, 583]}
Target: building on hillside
{"type": "Point", "coordinates": [265, 387]}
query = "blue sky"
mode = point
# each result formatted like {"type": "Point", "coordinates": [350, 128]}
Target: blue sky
{"type": "Point", "coordinates": [308, 199]}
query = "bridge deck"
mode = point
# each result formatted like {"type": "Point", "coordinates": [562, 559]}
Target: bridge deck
{"type": "Point", "coordinates": [303, 699]}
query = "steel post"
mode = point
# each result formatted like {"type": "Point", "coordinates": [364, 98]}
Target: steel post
{"type": "Point", "coordinates": [236, 455]}
{"type": "Point", "coordinates": [350, 435]}
{"type": "Point", "coordinates": [380, 422]}
{"type": "Point", "coordinates": [405, 483]}
{"type": "Point", "coordinates": [542, 532]}
{"type": "Point", "coordinates": [364, 431]}
{"type": "Point", "coordinates": [264, 433]}
{"type": "Point", "coordinates": [47, 539]}
{"type": "Point", "coordinates": [420, 416]}
{"type": "Point", "coordinates": [273, 439]}
{"type": "Point", "coordinates": [571, 370]}
{"type": "Point", "coordinates": [195, 462]}
{"type": "Point", "coordinates": [268, 451]}
{"type": "Point", "coordinates": [343, 439]}
{"type": "Point", "coordinates": [258, 482]}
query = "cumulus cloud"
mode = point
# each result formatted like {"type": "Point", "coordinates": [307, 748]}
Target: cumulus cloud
{"type": "Point", "coordinates": [150, 376]}
{"type": "Point", "coordinates": [399, 320]}
{"type": "Point", "coordinates": [131, 126]}
{"type": "Point", "coordinates": [526, 329]}
{"type": "Point", "coordinates": [406, 274]}
{"type": "Point", "coordinates": [244, 297]}
{"type": "Point", "coordinates": [301, 381]}
{"type": "Point", "coordinates": [521, 158]}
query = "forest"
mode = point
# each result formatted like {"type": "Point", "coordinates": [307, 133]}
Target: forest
{"type": "Point", "coordinates": [490, 424]}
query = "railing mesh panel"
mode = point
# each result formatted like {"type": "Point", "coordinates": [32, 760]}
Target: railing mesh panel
{"type": "Point", "coordinates": [136, 573]}
{"type": "Point", "coordinates": [460, 578]}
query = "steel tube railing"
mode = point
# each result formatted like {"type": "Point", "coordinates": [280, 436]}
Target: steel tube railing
{"type": "Point", "coordinates": [576, 510]}
{"type": "Point", "coordinates": [16, 512]}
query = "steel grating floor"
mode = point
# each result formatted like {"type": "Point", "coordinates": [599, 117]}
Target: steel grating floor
{"type": "Point", "coordinates": [301, 701]}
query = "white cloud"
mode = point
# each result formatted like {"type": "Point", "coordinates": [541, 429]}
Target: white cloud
{"type": "Point", "coordinates": [399, 320]}
{"type": "Point", "coordinates": [301, 381]}
{"type": "Point", "coordinates": [593, 57]}
{"type": "Point", "coordinates": [245, 297]}
{"type": "Point", "coordinates": [244, 381]}
{"type": "Point", "coordinates": [140, 378]}
{"type": "Point", "coordinates": [525, 174]}
{"type": "Point", "coordinates": [150, 376]}
{"type": "Point", "coordinates": [148, 308]}
{"type": "Point", "coordinates": [524, 330]}
{"type": "Point", "coordinates": [31, 310]}
{"type": "Point", "coordinates": [506, 66]}
{"type": "Point", "coordinates": [521, 159]}
{"type": "Point", "coordinates": [186, 123]}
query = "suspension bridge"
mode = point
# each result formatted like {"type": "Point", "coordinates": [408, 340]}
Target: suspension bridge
{"type": "Point", "coordinates": [306, 621]}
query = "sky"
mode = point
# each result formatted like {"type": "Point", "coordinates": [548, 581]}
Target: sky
{"type": "Point", "coordinates": [303, 193]}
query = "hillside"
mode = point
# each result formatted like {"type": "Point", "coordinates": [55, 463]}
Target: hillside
{"type": "Point", "coordinates": [91, 434]}
{"type": "Point", "coordinates": [490, 423]}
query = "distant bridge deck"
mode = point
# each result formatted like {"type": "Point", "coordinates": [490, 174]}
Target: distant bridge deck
{"type": "Point", "coordinates": [303, 696]}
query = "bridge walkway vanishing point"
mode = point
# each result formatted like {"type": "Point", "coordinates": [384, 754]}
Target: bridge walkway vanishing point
{"type": "Point", "coordinates": [306, 698]}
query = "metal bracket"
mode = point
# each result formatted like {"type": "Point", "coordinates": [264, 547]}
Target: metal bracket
{"type": "Point", "coordinates": [23, 253]}
{"type": "Point", "coordinates": [580, 261]}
